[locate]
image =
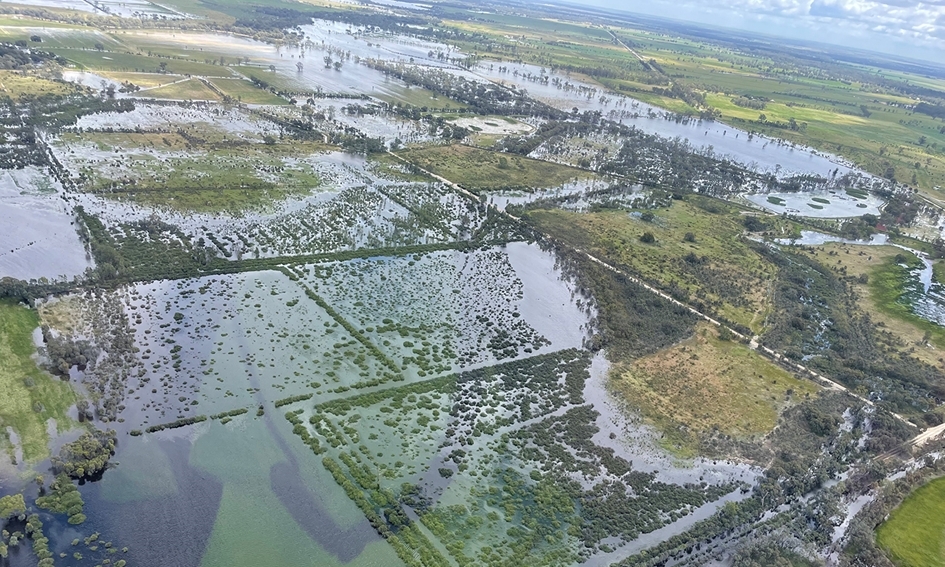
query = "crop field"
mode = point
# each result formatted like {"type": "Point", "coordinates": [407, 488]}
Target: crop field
{"type": "Point", "coordinates": [369, 210]}
{"type": "Point", "coordinates": [419, 97]}
{"type": "Point", "coordinates": [568, 44]}
{"type": "Point", "coordinates": [270, 337]}
{"type": "Point", "coordinates": [201, 122]}
{"type": "Point", "coordinates": [143, 80]}
{"type": "Point", "coordinates": [211, 344]}
{"type": "Point", "coordinates": [703, 266]}
{"type": "Point", "coordinates": [433, 286]}
{"type": "Point", "coordinates": [356, 217]}
{"type": "Point", "coordinates": [32, 398]}
{"type": "Point", "coordinates": [914, 534]}
{"type": "Point", "coordinates": [493, 171]}
{"type": "Point", "coordinates": [854, 117]}
{"type": "Point", "coordinates": [278, 81]}
{"type": "Point", "coordinates": [354, 208]}
{"type": "Point", "coordinates": [866, 140]}
{"type": "Point", "coordinates": [54, 35]}
{"type": "Point", "coordinates": [705, 385]}
{"type": "Point", "coordinates": [123, 61]}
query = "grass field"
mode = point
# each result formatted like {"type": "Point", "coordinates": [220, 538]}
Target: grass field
{"type": "Point", "coordinates": [245, 91]}
{"type": "Point", "coordinates": [17, 85]}
{"type": "Point", "coordinates": [277, 80]}
{"type": "Point", "coordinates": [392, 168]}
{"type": "Point", "coordinates": [705, 384]}
{"type": "Point", "coordinates": [419, 97]}
{"type": "Point", "coordinates": [53, 34]}
{"type": "Point", "coordinates": [143, 80]}
{"type": "Point", "coordinates": [481, 170]}
{"type": "Point", "coordinates": [716, 266]}
{"type": "Point", "coordinates": [858, 119]}
{"type": "Point", "coordinates": [94, 60]}
{"type": "Point", "coordinates": [189, 89]}
{"type": "Point", "coordinates": [19, 21]}
{"type": "Point", "coordinates": [914, 534]}
{"type": "Point", "coordinates": [30, 396]}
{"type": "Point", "coordinates": [938, 272]}
{"type": "Point", "coordinates": [127, 141]}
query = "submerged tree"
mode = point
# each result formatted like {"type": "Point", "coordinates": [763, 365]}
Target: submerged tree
{"type": "Point", "coordinates": [87, 456]}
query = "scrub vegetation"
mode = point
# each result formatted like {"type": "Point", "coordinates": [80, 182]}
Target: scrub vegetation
{"type": "Point", "coordinates": [707, 386]}
{"type": "Point", "coordinates": [697, 251]}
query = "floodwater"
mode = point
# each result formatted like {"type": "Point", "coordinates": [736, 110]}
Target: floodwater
{"type": "Point", "coordinates": [228, 495]}
{"type": "Point", "coordinates": [120, 8]}
{"type": "Point", "coordinates": [38, 237]}
{"type": "Point", "coordinates": [317, 222]}
{"type": "Point", "coordinates": [762, 153]}
{"type": "Point", "coordinates": [814, 238]}
{"type": "Point", "coordinates": [246, 492]}
{"type": "Point", "coordinates": [637, 442]}
{"type": "Point", "coordinates": [91, 80]}
{"type": "Point", "coordinates": [571, 189]}
{"type": "Point", "coordinates": [838, 205]}
{"type": "Point", "coordinates": [337, 41]}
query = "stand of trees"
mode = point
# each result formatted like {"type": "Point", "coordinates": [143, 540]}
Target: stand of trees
{"type": "Point", "coordinates": [87, 457]}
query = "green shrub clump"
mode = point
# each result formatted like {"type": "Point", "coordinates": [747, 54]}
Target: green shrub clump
{"type": "Point", "coordinates": [87, 456]}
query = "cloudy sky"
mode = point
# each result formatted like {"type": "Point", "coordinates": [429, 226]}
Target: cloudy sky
{"type": "Point", "coordinates": [910, 28]}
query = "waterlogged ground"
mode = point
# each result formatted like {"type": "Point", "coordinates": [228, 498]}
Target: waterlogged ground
{"type": "Point", "coordinates": [39, 234]}
{"type": "Point", "coordinates": [337, 41]}
{"type": "Point", "coordinates": [494, 463]}
{"type": "Point", "coordinates": [120, 8]}
{"type": "Point", "coordinates": [223, 176]}
{"type": "Point", "coordinates": [920, 292]}
{"type": "Point", "coordinates": [462, 361]}
{"type": "Point", "coordinates": [562, 91]}
{"type": "Point", "coordinates": [314, 403]}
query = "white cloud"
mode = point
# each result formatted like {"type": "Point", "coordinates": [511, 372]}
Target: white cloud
{"type": "Point", "coordinates": [921, 20]}
{"type": "Point", "coordinates": [912, 28]}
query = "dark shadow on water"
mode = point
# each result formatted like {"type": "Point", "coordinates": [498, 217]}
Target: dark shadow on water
{"type": "Point", "coordinates": [171, 531]}
{"type": "Point", "coordinates": [310, 513]}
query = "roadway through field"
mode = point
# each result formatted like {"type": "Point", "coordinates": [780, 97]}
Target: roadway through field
{"type": "Point", "coordinates": [627, 47]}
